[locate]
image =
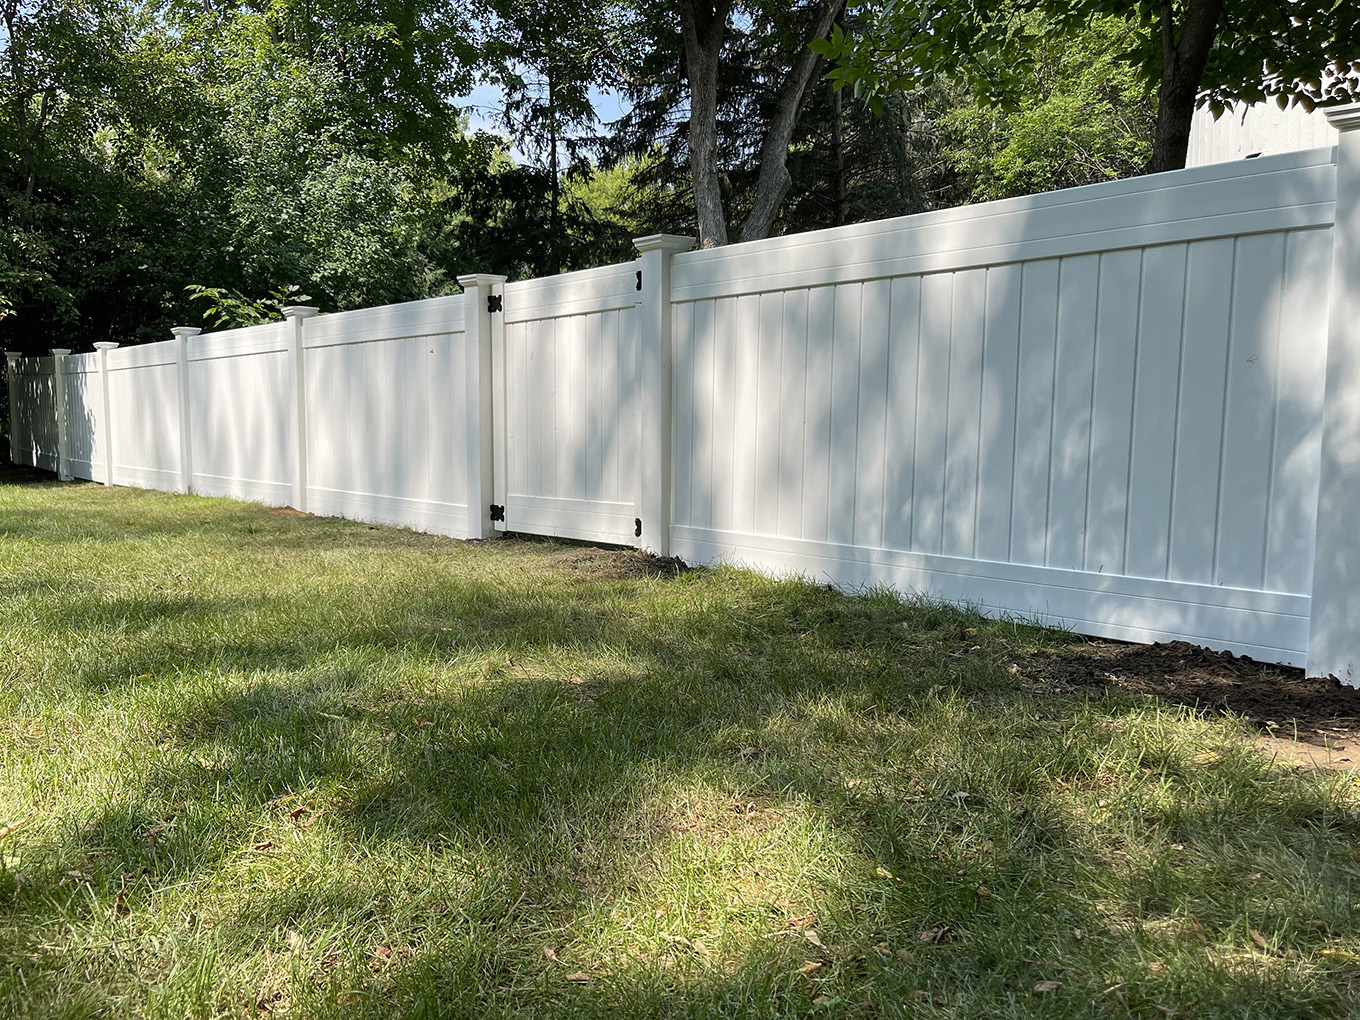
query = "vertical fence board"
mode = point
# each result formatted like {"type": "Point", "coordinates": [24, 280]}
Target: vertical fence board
{"type": "Point", "coordinates": [1000, 379]}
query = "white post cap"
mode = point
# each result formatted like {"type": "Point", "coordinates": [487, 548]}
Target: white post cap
{"type": "Point", "coordinates": [468, 280]}
{"type": "Point", "coordinates": [1344, 118]}
{"type": "Point", "coordinates": [184, 332]}
{"type": "Point", "coordinates": [670, 243]}
{"type": "Point", "coordinates": [299, 311]}
{"type": "Point", "coordinates": [105, 345]}
{"type": "Point", "coordinates": [60, 352]}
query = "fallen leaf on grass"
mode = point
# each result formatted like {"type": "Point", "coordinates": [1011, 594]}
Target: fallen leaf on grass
{"type": "Point", "coordinates": [578, 975]}
{"type": "Point", "coordinates": [746, 752]}
{"type": "Point", "coordinates": [1044, 987]}
{"type": "Point", "coordinates": [12, 827]}
{"type": "Point", "coordinates": [1156, 969]}
{"type": "Point", "coordinates": [823, 1000]}
{"type": "Point", "coordinates": [1198, 928]}
{"type": "Point", "coordinates": [264, 844]}
{"type": "Point", "coordinates": [935, 934]}
{"type": "Point", "coordinates": [694, 944]}
{"type": "Point", "coordinates": [809, 966]}
{"type": "Point", "coordinates": [1264, 946]}
{"type": "Point", "coordinates": [550, 953]}
{"type": "Point", "coordinates": [812, 936]}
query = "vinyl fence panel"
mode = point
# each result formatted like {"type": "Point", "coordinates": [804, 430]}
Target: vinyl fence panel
{"type": "Point", "coordinates": [86, 431]}
{"type": "Point", "coordinates": [1101, 407]}
{"type": "Point", "coordinates": [144, 405]}
{"type": "Point", "coordinates": [385, 413]}
{"type": "Point", "coordinates": [241, 398]}
{"type": "Point", "coordinates": [33, 413]}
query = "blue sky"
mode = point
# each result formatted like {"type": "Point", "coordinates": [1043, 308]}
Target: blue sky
{"type": "Point", "coordinates": [484, 103]}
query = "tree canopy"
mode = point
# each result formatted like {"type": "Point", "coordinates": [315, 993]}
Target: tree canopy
{"type": "Point", "coordinates": [1186, 52]}
{"type": "Point", "coordinates": [171, 161]}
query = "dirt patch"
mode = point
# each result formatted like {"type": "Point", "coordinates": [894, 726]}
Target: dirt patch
{"type": "Point", "coordinates": [1323, 714]}
{"type": "Point", "coordinates": [617, 564]}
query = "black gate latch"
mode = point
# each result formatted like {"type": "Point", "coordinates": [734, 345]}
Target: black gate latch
{"type": "Point", "coordinates": [497, 512]}
{"type": "Point", "coordinates": [637, 527]}
{"type": "Point", "coordinates": [494, 303]}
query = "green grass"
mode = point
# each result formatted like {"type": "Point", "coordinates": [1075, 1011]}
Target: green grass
{"type": "Point", "coordinates": [276, 764]}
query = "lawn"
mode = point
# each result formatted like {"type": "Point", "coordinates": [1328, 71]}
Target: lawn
{"type": "Point", "coordinates": [257, 763]}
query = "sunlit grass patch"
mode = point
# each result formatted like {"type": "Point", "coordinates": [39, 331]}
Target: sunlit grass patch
{"type": "Point", "coordinates": [263, 764]}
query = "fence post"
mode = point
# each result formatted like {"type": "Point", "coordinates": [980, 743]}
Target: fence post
{"type": "Point", "coordinates": [12, 379]}
{"type": "Point", "coordinates": [654, 388]}
{"type": "Point", "coordinates": [186, 467]}
{"type": "Point", "coordinates": [484, 320]}
{"type": "Point", "coordinates": [1334, 624]}
{"type": "Point", "coordinates": [103, 347]}
{"type": "Point", "coordinates": [296, 315]}
{"type": "Point", "coordinates": [63, 419]}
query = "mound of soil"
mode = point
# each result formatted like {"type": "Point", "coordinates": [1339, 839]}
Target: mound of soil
{"type": "Point", "coordinates": [1277, 699]}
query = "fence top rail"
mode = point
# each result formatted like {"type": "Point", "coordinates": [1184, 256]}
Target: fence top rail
{"type": "Point", "coordinates": [428, 317]}
{"type": "Point", "coordinates": [34, 366]}
{"type": "Point", "coordinates": [1292, 190]}
{"type": "Point", "coordinates": [229, 343]}
{"type": "Point", "coordinates": [605, 288]}
{"type": "Point", "coordinates": [162, 352]}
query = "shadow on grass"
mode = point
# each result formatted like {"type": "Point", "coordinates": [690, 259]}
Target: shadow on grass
{"type": "Point", "coordinates": [586, 752]}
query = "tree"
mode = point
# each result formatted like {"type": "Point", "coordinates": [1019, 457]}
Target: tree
{"type": "Point", "coordinates": [703, 26]}
{"type": "Point", "coordinates": [547, 58]}
{"type": "Point", "coordinates": [722, 98]}
{"type": "Point", "coordinates": [1186, 51]}
{"type": "Point", "coordinates": [1085, 116]}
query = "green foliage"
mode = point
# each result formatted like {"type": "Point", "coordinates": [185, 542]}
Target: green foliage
{"type": "Point", "coordinates": [1083, 116]}
{"type": "Point", "coordinates": [226, 309]}
{"type": "Point", "coordinates": [1297, 50]}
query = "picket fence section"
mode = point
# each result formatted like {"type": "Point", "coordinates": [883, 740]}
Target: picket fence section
{"type": "Point", "coordinates": [1131, 408]}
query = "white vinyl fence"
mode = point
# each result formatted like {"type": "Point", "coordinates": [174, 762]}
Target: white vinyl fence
{"type": "Point", "coordinates": [1132, 408]}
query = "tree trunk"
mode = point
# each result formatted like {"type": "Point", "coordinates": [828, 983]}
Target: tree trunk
{"type": "Point", "coordinates": [837, 158]}
{"type": "Point", "coordinates": [703, 27]}
{"type": "Point", "coordinates": [555, 213]}
{"type": "Point", "coordinates": [774, 181]}
{"type": "Point", "coordinates": [1183, 62]}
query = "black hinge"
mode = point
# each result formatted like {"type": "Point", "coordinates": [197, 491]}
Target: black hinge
{"type": "Point", "coordinates": [637, 527]}
{"type": "Point", "coordinates": [639, 283]}
{"type": "Point", "coordinates": [494, 303]}
{"type": "Point", "coordinates": [497, 512]}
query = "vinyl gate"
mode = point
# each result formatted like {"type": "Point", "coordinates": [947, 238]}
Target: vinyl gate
{"type": "Point", "coordinates": [565, 372]}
